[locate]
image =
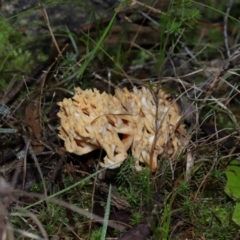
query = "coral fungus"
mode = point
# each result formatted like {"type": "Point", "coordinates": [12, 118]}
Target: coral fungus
{"type": "Point", "coordinates": [147, 123]}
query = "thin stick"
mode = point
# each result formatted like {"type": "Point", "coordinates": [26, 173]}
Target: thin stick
{"type": "Point", "coordinates": [134, 2]}
{"type": "Point", "coordinates": [44, 13]}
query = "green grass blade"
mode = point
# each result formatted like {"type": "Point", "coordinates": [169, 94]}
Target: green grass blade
{"type": "Point", "coordinates": [106, 216]}
{"type": "Point", "coordinates": [72, 41]}
{"type": "Point", "coordinates": [66, 189]}
{"type": "Point", "coordinates": [98, 45]}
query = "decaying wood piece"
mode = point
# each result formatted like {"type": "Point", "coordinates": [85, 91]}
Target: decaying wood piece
{"type": "Point", "coordinates": [117, 201]}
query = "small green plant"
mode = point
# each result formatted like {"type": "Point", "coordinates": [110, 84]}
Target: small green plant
{"type": "Point", "coordinates": [184, 187]}
{"type": "Point", "coordinates": [134, 186]}
{"type": "Point", "coordinates": [96, 234]}
{"type": "Point", "coordinates": [163, 230]}
{"type": "Point", "coordinates": [187, 205]}
{"type": "Point", "coordinates": [142, 58]}
{"type": "Point", "coordinates": [53, 217]}
{"type": "Point", "coordinates": [136, 218]}
{"type": "Point", "coordinates": [37, 188]}
{"type": "Point", "coordinates": [218, 174]}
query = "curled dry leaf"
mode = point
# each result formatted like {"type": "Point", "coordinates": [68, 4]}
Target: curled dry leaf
{"type": "Point", "coordinates": [150, 126]}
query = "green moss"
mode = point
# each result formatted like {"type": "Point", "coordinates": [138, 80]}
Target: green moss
{"type": "Point", "coordinates": [16, 58]}
{"type": "Point", "coordinates": [134, 186]}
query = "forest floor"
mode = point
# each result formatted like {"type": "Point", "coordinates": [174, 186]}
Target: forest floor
{"type": "Point", "coordinates": [189, 50]}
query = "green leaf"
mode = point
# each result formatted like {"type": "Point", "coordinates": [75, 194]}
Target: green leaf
{"type": "Point", "coordinates": [236, 214]}
{"type": "Point", "coordinates": [233, 188]}
{"type": "Point", "coordinates": [233, 178]}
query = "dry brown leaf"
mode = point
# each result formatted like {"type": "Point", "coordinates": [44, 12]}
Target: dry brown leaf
{"type": "Point", "coordinates": [33, 121]}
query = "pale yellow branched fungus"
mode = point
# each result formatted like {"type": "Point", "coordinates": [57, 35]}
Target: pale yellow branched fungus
{"type": "Point", "coordinates": [147, 123]}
